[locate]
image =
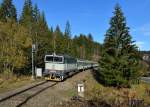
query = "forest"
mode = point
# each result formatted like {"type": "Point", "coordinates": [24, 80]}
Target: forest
{"type": "Point", "coordinates": [18, 34]}
{"type": "Point", "coordinates": [120, 62]}
{"type": "Point", "coordinates": [116, 82]}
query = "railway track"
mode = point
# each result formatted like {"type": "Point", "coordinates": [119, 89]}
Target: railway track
{"type": "Point", "coordinates": [20, 98]}
{"type": "Point", "coordinates": [146, 79]}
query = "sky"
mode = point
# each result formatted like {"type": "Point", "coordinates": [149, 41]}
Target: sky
{"type": "Point", "coordinates": [93, 16]}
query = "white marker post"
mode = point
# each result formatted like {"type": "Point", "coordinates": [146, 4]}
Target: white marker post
{"type": "Point", "coordinates": [81, 90]}
{"type": "Point", "coordinates": [38, 72]}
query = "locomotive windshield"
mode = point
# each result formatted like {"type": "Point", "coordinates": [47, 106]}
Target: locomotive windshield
{"type": "Point", "coordinates": [54, 59]}
{"type": "Point", "coordinates": [49, 58]}
{"type": "Point", "coordinates": [57, 59]}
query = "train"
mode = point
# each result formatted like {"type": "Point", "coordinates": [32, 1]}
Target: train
{"type": "Point", "coordinates": [59, 67]}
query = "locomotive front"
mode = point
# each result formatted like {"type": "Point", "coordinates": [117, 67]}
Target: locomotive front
{"type": "Point", "coordinates": [54, 67]}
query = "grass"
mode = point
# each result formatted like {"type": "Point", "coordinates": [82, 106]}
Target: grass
{"type": "Point", "coordinates": [13, 82]}
{"type": "Point", "coordinates": [141, 91]}
{"type": "Point", "coordinates": [71, 92]}
{"type": "Point", "coordinates": [95, 90]}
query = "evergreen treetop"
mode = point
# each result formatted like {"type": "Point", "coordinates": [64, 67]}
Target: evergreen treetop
{"type": "Point", "coordinates": [119, 62]}
{"type": "Point", "coordinates": [36, 13]}
{"type": "Point", "coordinates": [26, 18]}
{"type": "Point", "coordinates": [8, 11]}
{"type": "Point", "coordinates": [90, 37]}
{"type": "Point", "coordinates": [68, 30]}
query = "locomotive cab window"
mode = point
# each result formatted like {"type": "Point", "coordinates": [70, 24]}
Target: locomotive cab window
{"type": "Point", "coordinates": [49, 58]}
{"type": "Point", "coordinates": [58, 59]}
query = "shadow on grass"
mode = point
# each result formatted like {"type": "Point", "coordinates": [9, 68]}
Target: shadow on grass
{"type": "Point", "coordinates": [109, 82]}
{"type": "Point", "coordinates": [97, 76]}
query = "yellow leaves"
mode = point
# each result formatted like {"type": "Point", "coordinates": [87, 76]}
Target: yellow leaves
{"type": "Point", "coordinates": [22, 37]}
{"type": "Point", "coordinates": [14, 39]}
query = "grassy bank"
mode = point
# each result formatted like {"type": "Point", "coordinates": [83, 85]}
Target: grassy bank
{"type": "Point", "coordinates": [98, 95]}
{"type": "Point", "coordinates": [12, 82]}
{"type": "Point", "coordinates": [95, 90]}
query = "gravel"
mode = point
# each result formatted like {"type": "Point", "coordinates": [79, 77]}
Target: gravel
{"type": "Point", "coordinates": [54, 96]}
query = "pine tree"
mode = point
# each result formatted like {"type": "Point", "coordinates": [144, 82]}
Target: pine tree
{"type": "Point", "coordinates": [27, 21]}
{"type": "Point", "coordinates": [58, 40]}
{"type": "Point", "coordinates": [42, 22]}
{"type": "Point", "coordinates": [68, 30]}
{"type": "Point", "coordinates": [8, 11]}
{"type": "Point", "coordinates": [67, 39]}
{"type": "Point", "coordinates": [36, 13]}
{"type": "Point", "coordinates": [42, 38]}
{"type": "Point", "coordinates": [90, 37]}
{"type": "Point", "coordinates": [27, 18]}
{"type": "Point", "coordinates": [90, 47]}
{"type": "Point", "coordinates": [119, 62]}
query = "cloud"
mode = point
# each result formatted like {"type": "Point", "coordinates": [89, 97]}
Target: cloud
{"type": "Point", "coordinates": [140, 44]}
{"type": "Point", "coordinates": [144, 29]}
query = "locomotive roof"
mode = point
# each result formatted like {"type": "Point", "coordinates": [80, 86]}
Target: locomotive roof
{"type": "Point", "coordinates": [64, 55]}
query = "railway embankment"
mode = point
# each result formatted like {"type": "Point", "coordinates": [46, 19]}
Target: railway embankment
{"type": "Point", "coordinates": [64, 94]}
{"type": "Point", "coordinates": [97, 95]}
{"type": "Point", "coordinates": [14, 82]}
{"type": "Point", "coordinates": [11, 93]}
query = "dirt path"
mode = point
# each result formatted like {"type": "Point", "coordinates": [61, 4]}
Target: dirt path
{"type": "Point", "coordinates": [63, 91]}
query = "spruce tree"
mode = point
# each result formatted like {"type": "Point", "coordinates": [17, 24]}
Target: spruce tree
{"type": "Point", "coordinates": [8, 11]}
{"type": "Point", "coordinates": [58, 44]}
{"type": "Point", "coordinates": [42, 37]}
{"type": "Point", "coordinates": [43, 22]}
{"type": "Point", "coordinates": [26, 18]}
{"type": "Point", "coordinates": [90, 46]}
{"type": "Point", "coordinates": [36, 13]}
{"type": "Point", "coordinates": [68, 30]}
{"type": "Point", "coordinates": [67, 39]}
{"type": "Point", "coordinates": [119, 62]}
{"type": "Point", "coordinates": [90, 37]}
